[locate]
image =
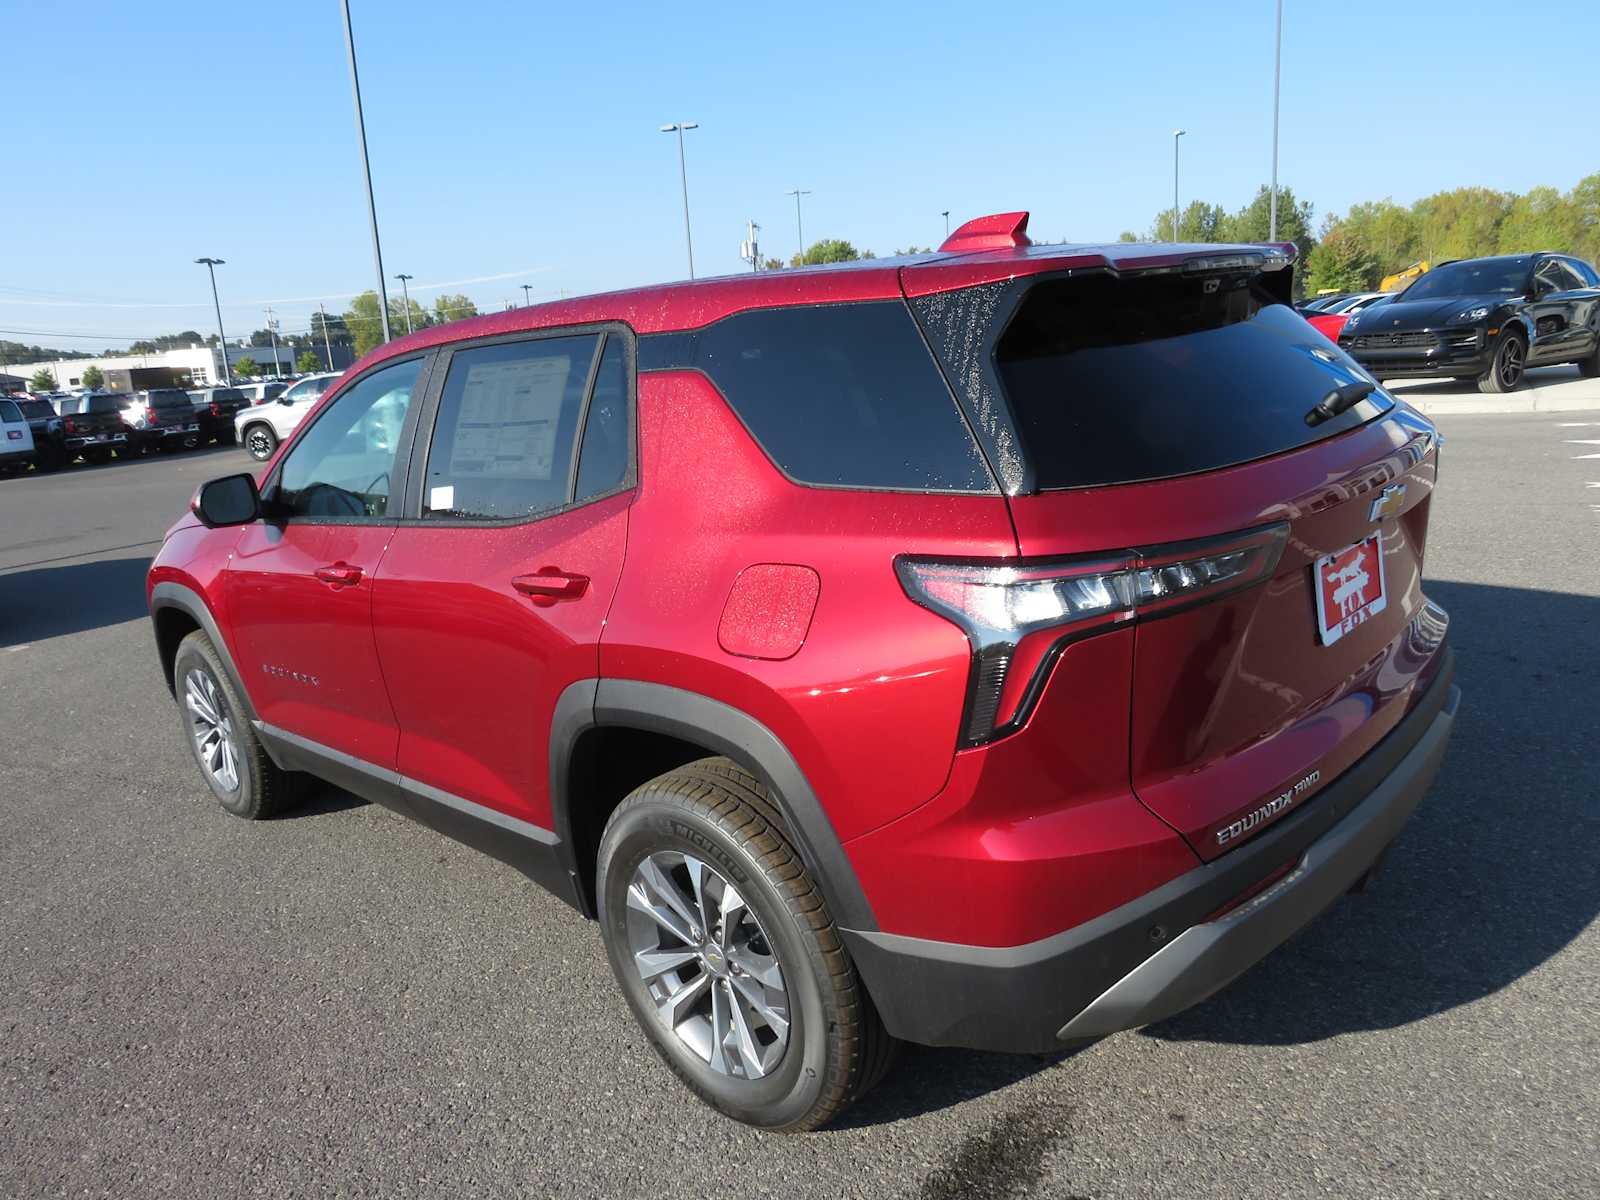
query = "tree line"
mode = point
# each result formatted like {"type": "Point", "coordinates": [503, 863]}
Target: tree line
{"type": "Point", "coordinates": [1353, 252]}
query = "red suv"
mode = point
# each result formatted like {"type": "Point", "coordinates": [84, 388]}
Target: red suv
{"type": "Point", "coordinates": [998, 647]}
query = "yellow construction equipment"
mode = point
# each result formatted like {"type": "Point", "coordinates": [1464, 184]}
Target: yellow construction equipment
{"type": "Point", "coordinates": [1403, 279]}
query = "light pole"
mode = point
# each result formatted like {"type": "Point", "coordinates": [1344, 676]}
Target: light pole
{"type": "Point", "coordinates": [272, 333]}
{"type": "Point", "coordinates": [366, 171]}
{"type": "Point", "coordinates": [799, 232]}
{"type": "Point", "coordinates": [679, 127]}
{"type": "Point", "coordinates": [327, 342]}
{"type": "Point", "coordinates": [1277, 74]}
{"type": "Point", "coordinates": [405, 293]}
{"type": "Point", "coordinates": [526, 299]}
{"type": "Point", "coordinates": [1176, 134]}
{"type": "Point", "coordinates": [946, 215]}
{"type": "Point", "coordinates": [211, 265]}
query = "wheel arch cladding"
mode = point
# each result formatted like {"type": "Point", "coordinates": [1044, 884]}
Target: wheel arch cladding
{"type": "Point", "coordinates": [672, 726]}
{"type": "Point", "coordinates": [176, 612]}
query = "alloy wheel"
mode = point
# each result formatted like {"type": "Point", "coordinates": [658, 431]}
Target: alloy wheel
{"type": "Point", "coordinates": [707, 965]}
{"type": "Point", "coordinates": [211, 726]}
{"type": "Point", "coordinates": [1510, 363]}
{"type": "Point", "coordinates": [259, 445]}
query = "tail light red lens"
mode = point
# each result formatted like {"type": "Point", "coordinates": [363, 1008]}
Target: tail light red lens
{"type": "Point", "coordinates": [1018, 616]}
{"type": "Point", "coordinates": [149, 416]}
{"type": "Point", "coordinates": [216, 409]}
{"type": "Point", "coordinates": [68, 425]}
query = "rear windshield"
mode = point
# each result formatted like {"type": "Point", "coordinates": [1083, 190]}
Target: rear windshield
{"type": "Point", "coordinates": [36, 408]}
{"type": "Point", "coordinates": [170, 398]}
{"type": "Point", "coordinates": [106, 404]}
{"type": "Point", "coordinates": [222, 395]}
{"type": "Point", "coordinates": [1118, 380]}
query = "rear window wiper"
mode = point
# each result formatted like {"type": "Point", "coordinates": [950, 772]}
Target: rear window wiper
{"type": "Point", "coordinates": [1339, 399]}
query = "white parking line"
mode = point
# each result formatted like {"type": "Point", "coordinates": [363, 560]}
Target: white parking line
{"type": "Point", "coordinates": [1583, 441]}
{"type": "Point", "coordinates": [1576, 424]}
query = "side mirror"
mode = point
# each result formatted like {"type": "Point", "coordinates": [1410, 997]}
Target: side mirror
{"type": "Point", "coordinates": [285, 400]}
{"type": "Point", "coordinates": [231, 500]}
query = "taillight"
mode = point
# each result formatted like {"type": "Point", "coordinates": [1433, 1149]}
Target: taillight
{"type": "Point", "coordinates": [69, 426]}
{"type": "Point", "coordinates": [1017, 616]}
{"type": "Point", "coordinates": [216, 409]}
{"type": "Point", "coordinates": [149, 416]}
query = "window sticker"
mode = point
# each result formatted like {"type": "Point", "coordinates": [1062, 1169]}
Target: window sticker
{"type": "Point", "coordinates": [508, 418]}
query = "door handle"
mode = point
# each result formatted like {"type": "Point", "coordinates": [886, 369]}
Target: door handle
{"type": "Point", "coordinates": [548, 585]}
{"type": "Point", "coordinates": [340, 574]}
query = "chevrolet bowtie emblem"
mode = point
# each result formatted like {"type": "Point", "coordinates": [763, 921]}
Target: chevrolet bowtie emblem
{"type": "Point", "coordinates": [1391, 502]}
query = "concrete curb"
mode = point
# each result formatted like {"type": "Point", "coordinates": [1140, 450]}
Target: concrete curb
{"type": "Point", "coordinates": [1548, 390]}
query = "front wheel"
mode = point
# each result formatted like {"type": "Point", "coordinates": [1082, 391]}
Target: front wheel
{"type": "Point", "coordinates": [1590, 367]}
{"type": "Point", "coordinates": [260, 442]}
{"type": "Point", "coordinates": [728, 955]}
{"type": "Point", "coordinates": [1505, 370]}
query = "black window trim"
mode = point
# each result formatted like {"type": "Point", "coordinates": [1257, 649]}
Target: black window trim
{"type": "Point", "coordinates": [679, 348]}
{"type": "Point", "coordinates": [417, 474]}
{"type": "Point", "coordinates": [402, 456]}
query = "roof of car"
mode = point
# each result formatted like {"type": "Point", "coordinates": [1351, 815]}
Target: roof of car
{"type": "Point", "coordinates": [982, 251]}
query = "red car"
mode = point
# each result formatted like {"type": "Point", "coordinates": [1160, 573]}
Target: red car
{"type": "Point", "coordinates": [1328, 324]}
{"type": "Point", "coordinates": [998, 647]}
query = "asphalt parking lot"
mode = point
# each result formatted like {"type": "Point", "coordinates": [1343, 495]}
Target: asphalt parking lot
{"type": "Point", "coordinates": [340, 1003]}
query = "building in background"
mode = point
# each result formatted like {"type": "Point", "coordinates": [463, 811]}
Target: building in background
{"type": "Point", "coordinates": [199, 365]}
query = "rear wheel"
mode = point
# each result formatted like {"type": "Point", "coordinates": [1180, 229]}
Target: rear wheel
{"type": "Point", "coordinates": [727, 953]}
{"type": "Point", "coordinates": [1505, 370]}
{"type": "Point", "coordinates": [231, 759]}
{"type": "Point", "coordinates": [97, 457]}
{"type": "Point", "coordinates": [260, 441]}
{"type": "Point", "coordinates": [1590, 366]}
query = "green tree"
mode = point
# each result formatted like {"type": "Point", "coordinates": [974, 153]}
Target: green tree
{"type": "Point", "coordinates": [1201, 222]}
{"type": "Point", "coordinates": [1543, 219]}
{"type": "Point", "coordinates": [1586, 205]}
{"type": "Point", "coordinates": [93, 378]}
{"type": "Point", "coordinates": [447, 307]}
{"type": "Point", "coordinates": [42, 381]}
{"type": "Point", "coordinates": [307, 362]}
{"type": "Point", "coordinates": [246, 367]}
{"type": "Point", "coordinates": [913, 249]}
{"type": "Point", "coordinates": [365, 323]}
{"type": "Point", "coordinates": [1386, 229]}
{"type": "Point", "coordinates": [1127, 235]}
{"type": "Point", "coordinates": [773, 264]}
{"type": "Point", "coordinates": [829, 250]}
{"type": "Point", "coordinates": [1464, 223]}
{"type": "Point", "coordinates": [1253, 222]}
{"type": "Point", "coordinates": [1342, 261]}
{"type": "Point", "coordinates": [337, 333]}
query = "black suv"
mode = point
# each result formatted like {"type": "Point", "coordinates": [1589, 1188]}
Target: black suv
{"type": "Point", "coordinates": [215, 408]}
{"type": "Point", "coordinates": [1484, 319]}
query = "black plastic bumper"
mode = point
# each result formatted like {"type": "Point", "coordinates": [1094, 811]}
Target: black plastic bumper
{"type": "Point", "coordinates": [1159, 954]}
{"type": "Point", "coordinates": [1417, 364]}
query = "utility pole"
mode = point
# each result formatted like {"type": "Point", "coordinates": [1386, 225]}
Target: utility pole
{"type": "Point", "coordinates": [946, 216]}
{"type": "Point", "coordinates": [211, 265]}
{"type": "Point", "coordinates": [678, 127]}
{"type": "Point", "coordinates": [366, 172]}
{"type": "Point", "coordinates": [1277, 74]}
{"type": "Point", "coordinates": [1176, 134]}
{"type": "Point", "coordinates": [272, 332]}
{"type": "Point", "coordinates": [327, 343]}
{"type": "Point", "coordinates": [405, 292]}
{"type": "Point", "coordinates": [799, 231]}
{"type": "Point", "coordinates": [751, 251]}
{"type": "Point", "coordinates": [526, 299]}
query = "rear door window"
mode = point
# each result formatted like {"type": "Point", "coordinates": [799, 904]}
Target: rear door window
{"type": "Point", "coordinates": [506, 429]}
{"type": "Point", "coordinates": [844, 395]}
{"type": "Point", "coordinates": [1117, 380]}
{"type": "Point", "coordinates": [9, 412]}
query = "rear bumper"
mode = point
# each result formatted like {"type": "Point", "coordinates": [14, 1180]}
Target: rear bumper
{"type": "Point", "coordinates": [1163, 952]}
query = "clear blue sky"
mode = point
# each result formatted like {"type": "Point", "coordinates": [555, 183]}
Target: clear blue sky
{"type": "Point", "coordinates": [522, 138]}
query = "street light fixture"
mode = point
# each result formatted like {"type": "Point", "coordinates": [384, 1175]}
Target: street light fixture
{"type": "Point", "coordinates": [526, 298]}
{"type": "Point", "coordinates": [1176, 134]}
{"type": "Point", "coordinates": [799, 232]}
{"type": "Point", "coordinates": [678, 127]}
{"type": "Point", "coordinates": [405, 292]}
{"type": "Point", "coordinates": [366, 171]}
{"type": "Point", "coordinates": [211, 265]}
{"type": "Point", "coordinates": [946, 215]}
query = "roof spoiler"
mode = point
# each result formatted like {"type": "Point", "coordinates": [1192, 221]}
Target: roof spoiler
{"type": "Point", "coordinates": [998, 231]}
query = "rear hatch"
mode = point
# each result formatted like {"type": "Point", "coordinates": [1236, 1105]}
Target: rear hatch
{"type": "Point", "coordinates": [1272, 553]}
{"type": "Point", "coordinates": [170, 408]}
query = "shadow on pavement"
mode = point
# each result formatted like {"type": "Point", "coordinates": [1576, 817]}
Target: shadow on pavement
{"type": "Point", "coordinates": [46, 602]}
{"type": "Point", "coordinates": [1537, 377]}
{"type": "Point", "coordinates": [1496, 872]}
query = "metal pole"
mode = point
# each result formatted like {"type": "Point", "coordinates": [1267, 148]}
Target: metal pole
{"type": "Point", "coordinates": [1277, 74]}
{"type": "Point", "coordinates": [799, 231]}
{"type": "Point", "coordinates": [222, 338]}
{"type": "Point", "coordinates": [1176, 134]}
{"type": "Point", "coordinates": [366, 170]}
{"type": "Point", "coordinates": [526, 288]}
{"type": "Point", "coordinates": [327, 343]}
{"type": "Point", "coordinates": [946, 216]}
{"type": "Point", "coordinates": [272, 332]}
{"type": "Point", "coordinates": [405, 292]}
{"type": "Point", "coordinates": [679, 127]}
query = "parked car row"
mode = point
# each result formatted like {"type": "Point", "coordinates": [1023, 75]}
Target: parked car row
{"type": "Point", "coordinates": [48, 431]}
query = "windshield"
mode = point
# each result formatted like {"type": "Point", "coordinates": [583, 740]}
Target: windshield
{"type": "Point", "coordinates": [1472, 278]}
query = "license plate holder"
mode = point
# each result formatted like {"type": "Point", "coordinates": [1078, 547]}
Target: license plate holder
{"type": "Point", "coordinates": [1349, 587]}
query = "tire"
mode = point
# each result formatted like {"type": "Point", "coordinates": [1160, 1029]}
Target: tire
{"type": "Point", "coordinates": [228, 437]}
{"type": "Point", "coordinates": [1506, 368]}
{"type": "Point", "coordinates": [714, 819]}
{"type": "Point", "coordinates": [1590, 367]}
{"type": "Point", "coordinates": [98, 458]}
{"type": "Point", "coordinates": [260, 441]}
{"type": "Point", "coordinates": [209, 704]}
